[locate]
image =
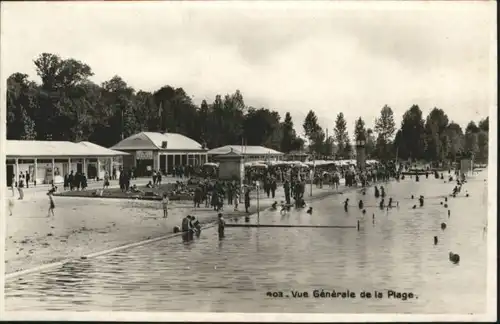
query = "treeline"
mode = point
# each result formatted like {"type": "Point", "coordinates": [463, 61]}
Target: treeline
{"type": "Point", "coordinates": [66, 105]}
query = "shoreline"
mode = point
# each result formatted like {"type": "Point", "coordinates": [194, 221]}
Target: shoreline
{"type": "Point", "coordinates": [207, 219]}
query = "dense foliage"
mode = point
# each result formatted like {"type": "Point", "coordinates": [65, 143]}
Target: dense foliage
{"type": "Point", "coordinates": [66, 105]}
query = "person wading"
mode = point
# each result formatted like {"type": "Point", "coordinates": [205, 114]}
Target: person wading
{"type": "Point", "coordinates": [165, 201]}
{"type": "Point", "coordinates": [247, 200]}
{"type": "Point", "coordinates": [221, 226]}
{"type": "Point", "coordinates": [185, 228]}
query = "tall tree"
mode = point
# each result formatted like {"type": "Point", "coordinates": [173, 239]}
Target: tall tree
{"type": "Point", "coordinates": [311, 125]}
{"type": "Point", "coordinates": [482, 147]}
{"type": "Point", "coordinates": [348, 149]}
{"type": "Point", "coordinates": [484, 124]}
{"type": "Point", "coordinates": [314, 132]}
{"type": "Point", "coordinates": [435, 135]}
{"type": "Point", "coordinates": [57, 93]}
{"type": "Point", "coordinates": [341, 137]}
{"type": "Point", "coordinates": [359, 128]}
{"type": "Point", "coordinates": [370, 143]}
{"type": "Point", "coordinates": [385, 128]}
{"type": "Point", "coordinates": [455, 142]}
{"type": "Point", "coordinates": [118, 96]}
{"type": "Point", "coordinates": [471, 128]}
{"type": "Point", "coordinates": [411, 142]}
{"type": "Point", "coordinates": [260, 126]}
{"type": "Point", "coordinates": [22, 106]}
{"type": "Point", "coordinates": [329, 146]}
{"type": "Point", "coordinates": [289, 136]}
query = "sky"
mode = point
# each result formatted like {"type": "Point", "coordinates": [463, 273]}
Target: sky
{"type": "Point", "coordinates": [350, 57]}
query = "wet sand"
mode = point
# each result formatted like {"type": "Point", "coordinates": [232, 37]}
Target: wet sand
{"type": "Point", "coordinates": [82, 226]}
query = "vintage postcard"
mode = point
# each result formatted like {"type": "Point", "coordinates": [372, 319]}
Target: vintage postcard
{"type": "Point", "coordinates": [248, 161]}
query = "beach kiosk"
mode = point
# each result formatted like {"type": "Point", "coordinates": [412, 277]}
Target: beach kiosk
{"type": "Point", "coordinates": [231, 166]}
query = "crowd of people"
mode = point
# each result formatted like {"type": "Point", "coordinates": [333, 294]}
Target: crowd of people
{"type": "Point", "coordinates": [75, 181]}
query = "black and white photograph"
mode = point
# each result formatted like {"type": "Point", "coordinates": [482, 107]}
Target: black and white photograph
{"type": "Point", "coordinates": [248, 161]}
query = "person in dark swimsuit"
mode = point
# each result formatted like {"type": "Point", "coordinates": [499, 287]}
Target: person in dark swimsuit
{"type": "Point", "coordinates": [52, 206]}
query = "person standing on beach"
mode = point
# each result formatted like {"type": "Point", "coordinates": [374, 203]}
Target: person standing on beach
{"type": "Point", "coordinates": [13, 185]}
{"type": "Point", "coordinates": [236, 199]}
{"type": "Point", "coordinates": [154, 178]}
{"type": "Point", "coordinates": [286, 187]}
{"type": "Point", "coordinates": [20, 187]}
{"type": "Point", "coordinates": [247, 200]}
{"type": "Point", "coordinates": [28, 178]}
{"type": "Point", "coordinates": [158, 178]}
{"type": "Point", "coordinates": [52, 206]}
{"type": "Point", "coordinates": [274, 186]}
{"type": "Point", "coordinates": [106, 181]}
{"type": "Point", "coordinates": [164, 203]}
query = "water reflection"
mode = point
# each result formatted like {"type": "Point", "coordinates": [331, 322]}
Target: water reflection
{"type": "Point", "coordinates": [233, 274]}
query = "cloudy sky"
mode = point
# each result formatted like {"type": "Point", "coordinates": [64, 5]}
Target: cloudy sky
{"type": "Point", "coordinates": [349, 57]}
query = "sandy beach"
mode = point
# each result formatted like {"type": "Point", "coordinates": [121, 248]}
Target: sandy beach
{"type": "Point", "coordinates": [82, 226]}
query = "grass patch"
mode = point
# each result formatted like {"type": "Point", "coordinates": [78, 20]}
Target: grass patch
{"type": "Point", "coordinates": [145, 194]}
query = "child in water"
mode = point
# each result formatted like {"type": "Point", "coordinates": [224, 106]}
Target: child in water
{"type": "Point", "coordinates": [221, 226]}
{"type": "Point", "coordinates": [381, 205]}
{"type": "Point", "coordinates": [164, 203]}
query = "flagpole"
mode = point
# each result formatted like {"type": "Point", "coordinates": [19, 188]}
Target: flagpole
{"type": "Point", "coordinates": [313, 171]}
{"type": "Point", "coordinates": [242, 178]}
{"type": "Point", "coordinates": [160, 115]}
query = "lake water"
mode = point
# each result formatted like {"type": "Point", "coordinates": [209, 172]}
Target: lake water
{"type": "Point", "coordinates": [394, 250]}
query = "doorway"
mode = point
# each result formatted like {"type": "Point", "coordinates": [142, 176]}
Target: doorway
{"type": "Point", "coordinates": [79, 167]}
{"type": "Point", "coordinates": [92, 170]}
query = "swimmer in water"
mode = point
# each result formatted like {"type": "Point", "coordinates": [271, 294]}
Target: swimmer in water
{"type": "Point", "coordinates": [381, 205]}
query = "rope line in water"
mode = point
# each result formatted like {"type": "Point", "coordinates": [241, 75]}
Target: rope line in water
{"type": "Point", "coordinates": [290, 225]}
